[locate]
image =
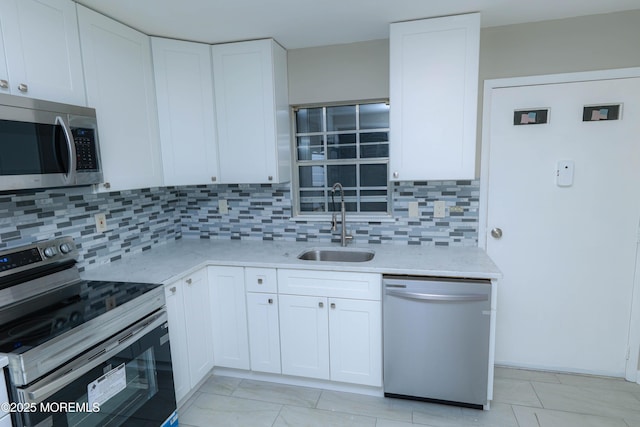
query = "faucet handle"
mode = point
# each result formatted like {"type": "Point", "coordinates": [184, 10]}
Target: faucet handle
{"type": "Point", "coordinates": [334, 222]}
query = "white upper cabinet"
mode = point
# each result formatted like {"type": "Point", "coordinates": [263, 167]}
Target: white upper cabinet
{"type": "Point", "coordinates": [184, 88]}
{"type": "Point", "coordinates": [252, 110]}
{"type": "Point", "coordinates": [42, 50]}
{"type": "Point", "coordinates": [119, 77]}
{"type": "Point", "coordinates": [433, 98]}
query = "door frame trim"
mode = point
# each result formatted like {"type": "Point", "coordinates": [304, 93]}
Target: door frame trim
{"type": "Point", "coordinates": [633, 356]}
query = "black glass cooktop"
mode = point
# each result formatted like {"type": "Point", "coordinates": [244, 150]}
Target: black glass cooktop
{"type": "Point", "coordinates": [64, 310]}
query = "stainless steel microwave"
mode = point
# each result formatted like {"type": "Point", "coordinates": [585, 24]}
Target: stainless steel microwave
{"type": "Point", "coordinates": [46, 144]}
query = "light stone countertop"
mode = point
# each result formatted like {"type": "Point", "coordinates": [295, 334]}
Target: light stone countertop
{"type": "Point", "coordinates": [170, 261]}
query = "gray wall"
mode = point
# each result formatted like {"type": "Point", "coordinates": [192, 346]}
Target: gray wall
{"type": "Point", "coordinates": [361, 70]}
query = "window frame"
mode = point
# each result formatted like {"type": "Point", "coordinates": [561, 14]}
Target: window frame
{"type": "Point", "coordinates": [378, 216]}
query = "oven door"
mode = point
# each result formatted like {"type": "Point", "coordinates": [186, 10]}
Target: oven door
{"type": "Point", "coordinates": [127, 380]}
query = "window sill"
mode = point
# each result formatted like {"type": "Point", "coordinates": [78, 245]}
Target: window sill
{"type": "Point", "coordinates": [351, 218]}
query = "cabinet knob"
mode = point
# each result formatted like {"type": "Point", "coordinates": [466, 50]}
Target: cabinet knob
{"type": "Point", "coordinates": [270, 178]}
{"type": "Point", "coordinates": [23, 87]}
{"type": "Point", "coordinates": [189, 281]}
{"type": "Point", "coordinates": [333, 305]}
{"type": "Point", "coordinates": [396, 174]}
{"type": "Point", "coordinates": [173, 289]}
{"type": "Point", "coordinates": [260, 281]}
{"type": "Point", "coordinates": [270, 300]}
{"type": "Point", "coordinates": [213, 179]}
{"type": "Point", "coordinates": [4, 84]}
{"type": "Point", "coordinates": [107, 185]}
{"type": "Point", "coordinates": [320, 304]}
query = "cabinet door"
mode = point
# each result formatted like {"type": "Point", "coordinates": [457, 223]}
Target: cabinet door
{"type": "Point", "coordinates": [178, 338]}
{"type": "Point", "coordinates": [197, 313]}
{"type": "Point", "coordinates": [355, 339]}
{"type": "Point", "coordinates": [264, 332]}
{"type": "Point", "coordinates": [42, 49]}
{"type": "Point", "coordinates": [231, 344]}
{"type": "Point", "coordinates": [119, 76]}
{"type": "Point", "coordinates": [252, 112]}
{"type": "Point", "coordinates": [5, 421]}
{"type": "Point", "coordinates": [184, 88]}
{"type": "Point", "coordinates": [433, 96]}
{"type": "Point", "coordinates": [304, 336]}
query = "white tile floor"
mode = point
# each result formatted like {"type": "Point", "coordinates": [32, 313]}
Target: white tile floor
{"type": "Point", "coordinates": [521, 399]}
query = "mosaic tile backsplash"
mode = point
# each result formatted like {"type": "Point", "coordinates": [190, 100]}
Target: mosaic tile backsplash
{"type": "Point", "coordinates": [140, 219]}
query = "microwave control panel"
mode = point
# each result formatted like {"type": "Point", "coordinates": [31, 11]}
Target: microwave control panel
{"type": "Point", "coordinates": [86, 156]}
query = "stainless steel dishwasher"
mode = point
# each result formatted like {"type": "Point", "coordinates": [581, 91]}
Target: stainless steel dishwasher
{"type": "Point", "coordinates": [436, 339]}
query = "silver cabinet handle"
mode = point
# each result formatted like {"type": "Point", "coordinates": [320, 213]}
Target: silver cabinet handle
{"type": "Point", "coordinates": [4, 84]}
{"type": "Point", "coordinates": [107, 185]}
{"type": "Point", "coordinates": [260, 281]}
{"type": "Point", "coordinates": [496, 233]}
{"type": "Point", "coordinates": [23, 88]}
{"type": "Point", "coordinates": [270, 178]}
{"type": "Point", "coordinates": [213, 179]}
{"type": "Point", "coordinates": [173, 289]}
{"type": "Point", "coordinates": [333, 305]}
{"type": "Point", "coordinates": [189, 281]}
{"type": "Point", "coordinates": [396, 174]}
{"type": "Point", "coordinates": [320, 304]}
{"type": "Point", "coordinates": [270, 300]}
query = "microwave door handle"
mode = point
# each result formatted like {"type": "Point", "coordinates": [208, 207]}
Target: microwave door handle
{"type": "Point", "coordinates": [73, 161]}
{"type": "Point", "coordinates": [47, 387]}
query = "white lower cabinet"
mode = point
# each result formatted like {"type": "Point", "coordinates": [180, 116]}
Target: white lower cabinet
{"type": "Point", "coordinates": [355, 341]}
{"type": "Point", "coordinates": [229, 317]}
{"type": "Point", "coordinates": [264, 332]}
{"type": "Point", "coordinates": [304, 336]}
{"type": "Point", "coordinates": [5, 421]}
{"type": "Point", "coordinates": [190, 330]}
{"type": "Point", "coordinates": [325, 337]}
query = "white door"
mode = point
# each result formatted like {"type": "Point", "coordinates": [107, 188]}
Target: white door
{"type": "Point", "coordinates": [197, 314]}
{"type": "Point", "coordinates": [173, 294]}
{"type": "Point", "coordinates": [304, 336]}
{"type": "Point", "coordinates": [567, 252]}
{"type": "Point", "coordinates": [229, 317]}
{"type": "Point", "coordinates": [264, 332]}
{"type": "Point", "coordinates": [355, 341]}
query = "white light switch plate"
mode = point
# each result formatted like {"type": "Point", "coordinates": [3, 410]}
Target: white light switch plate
{"type": "Point", "coordinates": [101, 222]}
{"type": "Point", "coordinates": [439, 209]}
{"type": "Point", "coordinates": [223, 207]}
{"type": "Point", "coordinates": [413, 210]}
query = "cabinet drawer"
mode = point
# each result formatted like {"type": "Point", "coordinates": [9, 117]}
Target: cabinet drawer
{"type": "Point", "coordinates": [330, 283]}
{"type": "Point", "coordinates": [261, 279]}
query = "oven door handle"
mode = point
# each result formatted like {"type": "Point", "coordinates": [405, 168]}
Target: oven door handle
{"type": "Point", "coordinates": [65, 375]}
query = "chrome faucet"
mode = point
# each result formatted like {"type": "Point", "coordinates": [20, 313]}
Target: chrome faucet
{"type": "Point", "coordinates": [344, 237]}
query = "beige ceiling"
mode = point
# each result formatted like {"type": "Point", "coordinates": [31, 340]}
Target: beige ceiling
{"type": "Point", "coordinates": [306, 23]}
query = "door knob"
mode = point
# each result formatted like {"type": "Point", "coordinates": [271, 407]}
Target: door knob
{"type": "Point", "coordinates": [496, 233]}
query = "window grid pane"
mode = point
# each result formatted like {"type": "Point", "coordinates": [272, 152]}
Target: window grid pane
{"type": "Point", "coordinates": [339, 150]}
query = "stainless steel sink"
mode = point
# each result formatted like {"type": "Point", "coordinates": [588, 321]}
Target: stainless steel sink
{"type": "Point", "coordinates": [339, 255]}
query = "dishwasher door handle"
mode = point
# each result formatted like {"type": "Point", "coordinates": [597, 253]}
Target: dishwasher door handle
{"type": "Point", "coordinates": [437, 297]}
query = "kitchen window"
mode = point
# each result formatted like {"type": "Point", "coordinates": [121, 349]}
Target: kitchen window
{"type": "Point", "coordinates": [345, 143]}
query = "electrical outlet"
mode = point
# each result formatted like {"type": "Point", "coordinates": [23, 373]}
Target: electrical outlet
{"type": "Point", "coordinates": [439, 209]}
{"type": "Point", "coordinates": [101, 222]}
{"type": "Point", "coordinates": [413, 209]}
{"type": "Point", "coordinates": [223, 207]}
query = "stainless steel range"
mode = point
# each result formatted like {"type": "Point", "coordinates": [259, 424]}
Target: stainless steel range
{"type": "Point", "coordinates": [82, 353]}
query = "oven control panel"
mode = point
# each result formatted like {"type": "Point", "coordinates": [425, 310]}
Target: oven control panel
{"type": "Point", "coordinates": [31, 256]}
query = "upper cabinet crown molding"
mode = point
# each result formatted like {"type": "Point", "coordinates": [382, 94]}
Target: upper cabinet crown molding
{"type": "Point", "coordinates": [252, 111]}
{"type": "Point", "coordinates": [184, 89]}
{"type": "Point", "coordinates": [433, 98]}
{"type": "Point", "coordinates": [42, 50]}
{"type": "Point", "coordinates": [119, 79]}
